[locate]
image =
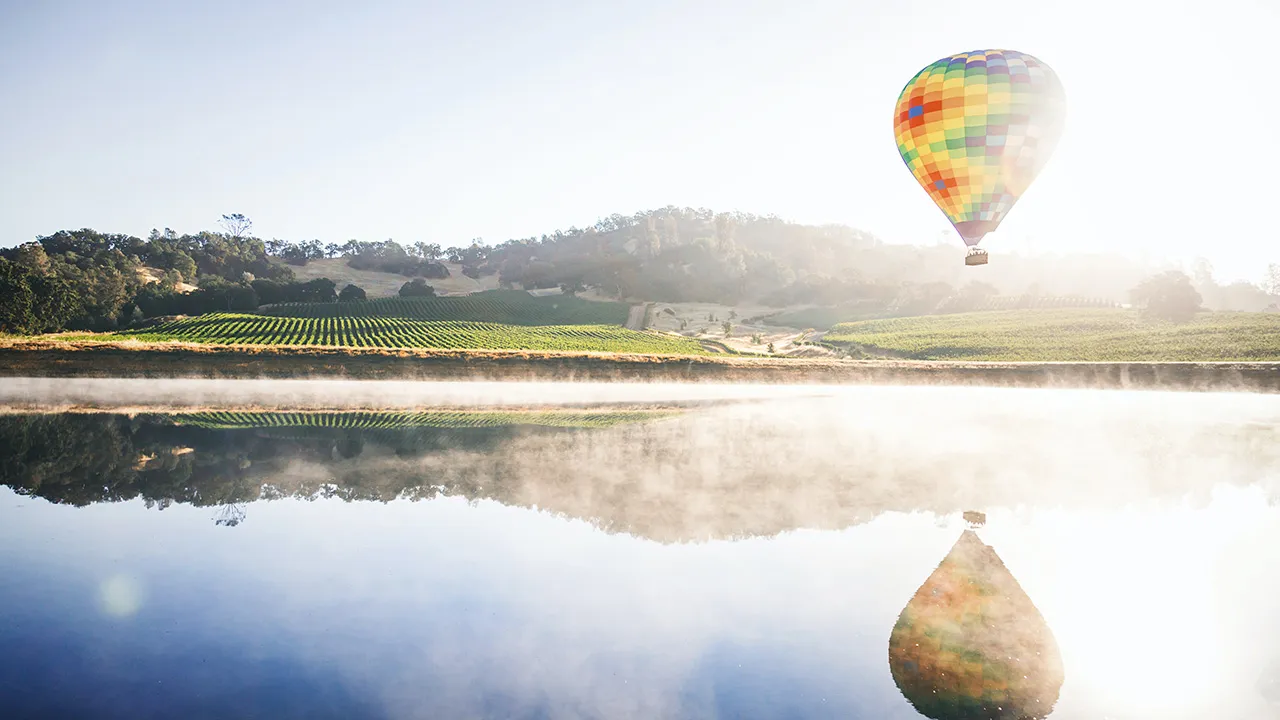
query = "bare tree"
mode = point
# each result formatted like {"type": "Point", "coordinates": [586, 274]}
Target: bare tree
{"type": "Point", "coordinates": [229, 515]}
{"type": "Point", "coordinates": [236, 225]}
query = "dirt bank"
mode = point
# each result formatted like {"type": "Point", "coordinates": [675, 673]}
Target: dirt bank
{"type": "Point", "coordinates": [46, 358]}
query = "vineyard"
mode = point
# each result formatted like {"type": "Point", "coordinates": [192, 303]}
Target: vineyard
{"type": "Point", "coordinates": [506, 307]}
{"type": "Point", "coordinates": [1039, 302]}
{"type": "Point", "coordinates": [453, 419]}
{"type": "Point", "coordinates": [396, 332]}
{"type": "Point", "coordinates": [1066, 335]}
{"type": "Point", "coordinates": [824, 317]}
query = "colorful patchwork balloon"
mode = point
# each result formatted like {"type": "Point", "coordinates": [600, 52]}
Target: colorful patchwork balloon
{"type": "Point", "coordinates": [971, 644]}
{"type": "Point", "coordinates": [975, 129]}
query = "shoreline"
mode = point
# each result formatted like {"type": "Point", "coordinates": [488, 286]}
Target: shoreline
{"type": "Point", "coordinates": [124, 359]}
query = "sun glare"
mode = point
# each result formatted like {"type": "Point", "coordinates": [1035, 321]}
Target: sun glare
{"type": "Point", "coordinates": [1136, 604]}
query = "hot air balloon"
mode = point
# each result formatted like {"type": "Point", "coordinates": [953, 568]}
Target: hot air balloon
{"type": "Point", "coordinates": [975, 129]}
{"type": "Point", "coordinates": [970, 644]}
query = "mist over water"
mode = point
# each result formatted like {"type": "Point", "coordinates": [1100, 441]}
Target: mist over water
{"type": "Point", "coordinates": [352, 394]}
{"type": "Point", "coordinates": [679, 551]}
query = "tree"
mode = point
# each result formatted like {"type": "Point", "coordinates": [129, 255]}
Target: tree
{"type": "Point", "coordinates": [33, 257]}
{"type": "Point", "coordinates": [185, 266]}
{"type": "Point", "coordinates": [351, 293]}
{"type": "Point", "coordinates": [16, 299]}
{"type": "Point", "coordinates": [1202, 272]}
{"type": "Point", "coordinates": [417, 287]}
{"type": "Point", "coordinates": [54, 303]}
{"type": "Point", "coordinates": [319, 290]}
{"type": "Point", "coordinates": [217, 295]}
{"type": "Point", "coordinates": [1168, 296]}
{"type": "Point", "coordinates": [294, 255]}
{"type": "Point", "coordinates": [236, 225]}
{"type": "Point", "coordinates": [1272, 284]}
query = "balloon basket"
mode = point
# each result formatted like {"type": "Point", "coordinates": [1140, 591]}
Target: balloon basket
{"type": "Point", "coordinates": [976, 257]}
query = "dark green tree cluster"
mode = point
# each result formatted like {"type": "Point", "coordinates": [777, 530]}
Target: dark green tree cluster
{"type": "Point", "coordinates": [352, 293]}
{"type": "Point", "coordinates": [32, 301]}
{"type": "Point", "coordinates": [1168, 296]}
{"type": "Point", "coordinates": [80, 459]}
{"type": "Point", "coordinates": [417, 287]}
{"type": "Point", "coordinates": [205, 254]}
{"type": "Point", "coordinates": [271, 292]}
{"type": "Point", "coordinates": [68, 282]}
{"type": "Point", "coordinates": [214, 295]}
{"type": "Point", "coordinates": [87, 280]}
{"type": "Point", "coordinates": [392, 257]}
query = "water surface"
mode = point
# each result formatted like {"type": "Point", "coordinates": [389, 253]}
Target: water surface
{"type": "Point", "coordinates": [535, 551]}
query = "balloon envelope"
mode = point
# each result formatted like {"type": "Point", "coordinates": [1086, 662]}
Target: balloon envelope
{"type": "Point", "coordinates": [975, 129]}
{"type": "Point", "coordinates": [971, 644]}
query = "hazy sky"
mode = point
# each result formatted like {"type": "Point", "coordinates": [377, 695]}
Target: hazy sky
{"type": "Point", "coordinates": [502, 118]}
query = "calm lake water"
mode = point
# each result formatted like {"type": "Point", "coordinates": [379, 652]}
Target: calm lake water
{"type": "Point", "coordinates": [553, 551]}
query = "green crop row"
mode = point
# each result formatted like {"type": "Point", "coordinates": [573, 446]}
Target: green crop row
{"type": "Point", "coordinates": [1067, 335]}
{"type": "Point", "coordinates": [508, 307]}
{"type": "Point", "coordinates": [384, 332]}
{"type": "Point", "coordinates": [230, 420]}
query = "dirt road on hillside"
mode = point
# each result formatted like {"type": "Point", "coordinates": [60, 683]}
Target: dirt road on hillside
{"type": "Point", "coordinates": [635, 317]}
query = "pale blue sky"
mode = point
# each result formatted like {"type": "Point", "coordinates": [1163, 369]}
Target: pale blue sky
{"type": "Point", "coordinates": [446, 121]}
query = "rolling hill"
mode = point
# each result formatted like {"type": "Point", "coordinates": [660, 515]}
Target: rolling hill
{"type": "Point", "coordinates": [508, 307]}
{"type": "Point", "coordinates": [385, 284]}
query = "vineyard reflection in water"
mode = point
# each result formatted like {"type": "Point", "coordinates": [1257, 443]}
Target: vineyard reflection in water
{"type": "Point", "coordinates": [680, 475]}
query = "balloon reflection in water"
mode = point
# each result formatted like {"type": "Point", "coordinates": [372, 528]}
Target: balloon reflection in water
{"type": "Point", "coordinates": [971, 644]}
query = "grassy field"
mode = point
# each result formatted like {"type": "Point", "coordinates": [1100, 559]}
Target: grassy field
{"type": "Point", "coordinates": [506, 307]}
{"type": "Point", "coordinates": [826, 316]}
{"type": "Point", "coordinates": [450, 419]}
{"type": "Point", "coordinates": [394, 332]}
{"type": "Point", "coordinates": [1067, 335]}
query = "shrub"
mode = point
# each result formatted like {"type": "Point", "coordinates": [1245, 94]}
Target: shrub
{"type": "Point", "coordinates": [417, 287]}
{"type": "Point", "coordinates": [352, 293]}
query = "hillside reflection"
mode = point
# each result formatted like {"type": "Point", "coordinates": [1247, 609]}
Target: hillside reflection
{"type": "Point", "coordinates": [671, 475]}
{"type": "Point", "coordinates": [648, 560]}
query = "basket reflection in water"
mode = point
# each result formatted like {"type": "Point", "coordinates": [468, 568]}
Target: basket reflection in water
{"type": "Point", "coordinates": [971, 644]}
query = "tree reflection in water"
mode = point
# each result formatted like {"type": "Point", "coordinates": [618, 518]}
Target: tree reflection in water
{"type": "Point", "coordinates": [971, 645]}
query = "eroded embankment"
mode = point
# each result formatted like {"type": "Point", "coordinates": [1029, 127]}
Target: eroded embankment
{"type": "Point", "coordinates": [46, 358]}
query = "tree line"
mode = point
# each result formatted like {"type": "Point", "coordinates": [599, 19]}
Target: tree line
{"type": "Point", "coordinates": [87, 280]}
{"type": "Point", "coordinates": [81, 459]}
{"type": "Point", "coordinates": [93, 281]}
